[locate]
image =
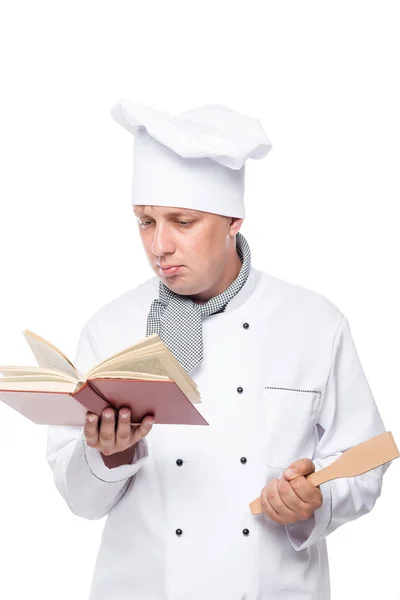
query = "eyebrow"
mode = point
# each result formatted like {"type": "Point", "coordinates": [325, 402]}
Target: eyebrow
{"type": "Point", "coordinates": [173, 213]}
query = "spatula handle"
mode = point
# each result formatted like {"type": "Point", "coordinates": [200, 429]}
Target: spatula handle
{"type": "Point", "coordinates": [320, 477]}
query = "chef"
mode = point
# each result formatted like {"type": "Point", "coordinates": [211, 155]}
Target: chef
{"type": "Point", "coordinates": [281, 383]}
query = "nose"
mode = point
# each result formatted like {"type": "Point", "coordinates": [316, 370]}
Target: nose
{"type": "Point", "coordinates": [162, 241]}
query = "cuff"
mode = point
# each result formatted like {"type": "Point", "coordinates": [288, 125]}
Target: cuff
{"type": "Point", "coordinates": [97, 467]}
{"type": "Point", "coordinates": [305, 533]}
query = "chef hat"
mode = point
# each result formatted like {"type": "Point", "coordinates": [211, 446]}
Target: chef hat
{"type": "Point", "coordinates": [194, 160]}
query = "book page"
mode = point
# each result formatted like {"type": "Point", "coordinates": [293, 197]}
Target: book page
{"type": "Point", "coordinates": [48, 356]}
{"type": "Point", "coordinates": [142, 364]}
{"type": "Point", "coordinates": [14, 372]}
{"type": "Point", "coordinates": [35, 386]}
{"type": "Point", "coordinates": [138, 348]}
{"type": "Point", "coordinates": [181, 377]}
{"type": "Point", "coordinates": [159, 349]}
{"type": "Point", "coordinates": [154, 349]}
{"type": "Point", "coordinates": [130, 375]}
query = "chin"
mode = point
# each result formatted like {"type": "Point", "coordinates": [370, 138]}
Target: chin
{"type": "Point", "coordinates": [178, 287]}
{"type": "Point", "coordinates": [175, 287]}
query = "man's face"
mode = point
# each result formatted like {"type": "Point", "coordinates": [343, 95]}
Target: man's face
{"type": "Point", "coordinates": [198, 243]}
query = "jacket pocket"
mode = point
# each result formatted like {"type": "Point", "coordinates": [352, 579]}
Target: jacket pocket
{"type": "Point", "coordinates": [289, 418]}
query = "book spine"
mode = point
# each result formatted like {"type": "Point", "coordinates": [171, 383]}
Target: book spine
{"type": "Point", "coordinates": [96, 391]}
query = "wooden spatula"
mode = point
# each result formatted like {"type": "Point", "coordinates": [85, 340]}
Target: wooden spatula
{"type": "Point", "coordinates": [354, 461]}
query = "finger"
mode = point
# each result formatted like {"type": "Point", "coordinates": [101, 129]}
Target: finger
{"type": "Point", "coordinates": [305, 490]}
{"type": "Point", "coordinates": [292, 500]}
{"type": "Point", "coordinates": [267, 508]}
{"type": "Point", "coordinates": [143, 429]}
{"type": "Point", "coordinates": [303, 466]}
{"type": "Point", "coordinates": [271, 512]}
{"type": "Point", "coordinates": [91, 430]}
{"type": "Point", "coordinates": [107, 430]}
{"type": "Point", "coordinates": [124, 429]}
{"type": "Point", "coordinates": [277, 504]}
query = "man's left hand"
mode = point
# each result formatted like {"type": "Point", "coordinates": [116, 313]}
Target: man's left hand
{"type": "Point", "coordinates": [291, 498]}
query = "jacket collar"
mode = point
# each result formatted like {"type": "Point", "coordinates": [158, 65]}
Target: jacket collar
{"type": "Point", "coordinates": [245, 291]}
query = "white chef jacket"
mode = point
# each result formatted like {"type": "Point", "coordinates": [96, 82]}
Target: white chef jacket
{"type": "Point", "coordinates": [280, 380]}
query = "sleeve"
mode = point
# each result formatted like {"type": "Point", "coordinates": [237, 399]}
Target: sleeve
{"type": "Point", "coordinates": [348, 416]}
{"type": "Point", "coordinates": [89, 487]}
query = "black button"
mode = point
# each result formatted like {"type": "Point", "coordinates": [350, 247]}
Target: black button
{"type": "Point", "coordinates": [243, 460]}
{"type": "Point", "coordinates": [245, 532]}
{"type": "Point", "coordinates": [246, 325]}
{"type": "Point", "coordinates": [179, 462]}
{"type": "Point", "coordinates": [240, 390]}
{"type": "Point", "coordinates": [178, 532]}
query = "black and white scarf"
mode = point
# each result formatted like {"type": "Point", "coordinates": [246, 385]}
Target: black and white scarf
{"type": "Point", "coordinates": [178, 320]}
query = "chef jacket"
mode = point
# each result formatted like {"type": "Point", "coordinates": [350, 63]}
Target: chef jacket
{"type": "Point", "coordinates": [280, 380]}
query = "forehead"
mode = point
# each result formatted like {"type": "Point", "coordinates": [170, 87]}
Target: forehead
{"type": "Point", "coordinates": [164, 211]}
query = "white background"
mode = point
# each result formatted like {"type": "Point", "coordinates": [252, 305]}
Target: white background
{"type": "Point", "coordinates": [322, 211]}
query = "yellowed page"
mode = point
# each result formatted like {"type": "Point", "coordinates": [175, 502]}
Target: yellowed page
{"type": "Point", "coordinates": [125, 357]}
{"type": "Point", "coordinates": [184, 374]}
{"type": "Point", "coordinates": [142, 364]}
{"type": "Point", "coordinates": [153, 348]}
{"type": "Point", "coordinates": [48, 356]}
{"type": "Point", "coordinates": [181, 377]}
{"type": "Point", "coordinates": [130, 375]}
{"type": "Point", "coordinates": [137, 348]}
{"type": "Point", "coordinates": [36, 386]}
{"type": "Point", "coordinates": [37, 377]}
{"type": "Point", "coordinates": [10, 371]}
{"type": "Point", "coordinates": [159, 349]}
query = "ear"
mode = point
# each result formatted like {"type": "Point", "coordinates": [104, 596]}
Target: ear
{"type": "Point", "coordinates": [235, 225]}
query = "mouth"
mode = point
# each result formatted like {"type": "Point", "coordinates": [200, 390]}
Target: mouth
{"type": "Point", "coordinates": [169, 270]}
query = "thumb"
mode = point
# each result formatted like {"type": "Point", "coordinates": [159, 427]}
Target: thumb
{"type": "Point", "coordinates": [143, 429]}
{"type": "Point", "coordinates": [303, 466]}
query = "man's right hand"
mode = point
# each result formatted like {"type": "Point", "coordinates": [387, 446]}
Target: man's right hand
{"type": "Point", "coordinates": [114, 435]}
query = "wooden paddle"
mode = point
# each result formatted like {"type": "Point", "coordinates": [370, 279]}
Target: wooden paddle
{"type": "Point", "coordinates": [354, 461]}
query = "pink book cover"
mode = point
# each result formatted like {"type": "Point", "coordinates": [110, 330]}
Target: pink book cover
{"type": "Point", "coordinates": [163, 399]}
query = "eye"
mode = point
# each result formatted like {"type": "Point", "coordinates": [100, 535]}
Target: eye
{"type": "Point", "coordinates": [184, 222]}
{"type": "Point", "coordinates": [141, 223]}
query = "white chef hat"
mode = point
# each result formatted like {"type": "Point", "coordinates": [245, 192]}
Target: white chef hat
{"type": "Point", "coordinates": [194, 160]}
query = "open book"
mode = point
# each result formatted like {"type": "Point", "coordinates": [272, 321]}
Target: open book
{"type": "Point", "coordinates": [145, 377]}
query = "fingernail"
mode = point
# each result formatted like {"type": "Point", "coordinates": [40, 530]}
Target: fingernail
{"type": "Point", "coordinates": [150, 422]}
{"type": "Point", "coordinates": [91, 418]}
{"type": "Point", "coordinates": [289, 473]}
{"type": "Point", "coordinates": [124, 415]}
